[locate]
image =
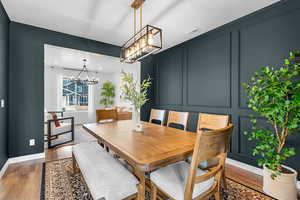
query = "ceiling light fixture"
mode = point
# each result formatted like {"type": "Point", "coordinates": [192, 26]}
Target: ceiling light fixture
{"type": "Point", "coordinates": [144, 42]}
{"type": "Point", "coordinates": [88, 80]}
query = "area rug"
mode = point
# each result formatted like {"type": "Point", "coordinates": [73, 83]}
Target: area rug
{"type": "Point", "coordinates": [59, 183]}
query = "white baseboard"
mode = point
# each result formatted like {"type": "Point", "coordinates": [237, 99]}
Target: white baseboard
{"type": "Point", "coordinates": [245, 166]}
{"type": "Point", "coordinates": [4, 168]}
{"type": "Point", "coordinates": [250, 168]}
{"type": "Point", "coordinates": [21, 159]}
{"type": "Point", "coordinates": [26, 158]}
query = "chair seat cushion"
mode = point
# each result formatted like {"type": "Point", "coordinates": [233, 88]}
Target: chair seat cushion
{"type": "Point", "coordinates": [172, 180]}
{"type": "Point", "coordinates": [62, 128]}
{"type": "Point", "coordinates": [156, 121]}
{"type": "Point", "coordinates": [104, 175]}
{"type": "Point", "coordinates": [177, 126]}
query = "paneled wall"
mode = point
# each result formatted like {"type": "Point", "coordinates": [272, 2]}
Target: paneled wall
{"type": "Point", "coordinates": [4, 28]}
{"type": "Point", "coordinates": [205, 74]}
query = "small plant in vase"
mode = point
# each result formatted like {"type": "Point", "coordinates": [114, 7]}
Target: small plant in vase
{"type": "Point", "coordinates": [136, 93]}
{"type": "Point", "coordinates": [274, 93]}
{"type": "Point", "coordinates": [108, 93]}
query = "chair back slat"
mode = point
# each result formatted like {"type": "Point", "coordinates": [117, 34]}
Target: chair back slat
{"type": "Point", "coordinates": [179, 118]}
{"type": "Point", "coordinates": [211, 144]}
{"type": "Point", "coordinates": [157, 116]}
{"type": "Point", "coordinates": [212, 121]}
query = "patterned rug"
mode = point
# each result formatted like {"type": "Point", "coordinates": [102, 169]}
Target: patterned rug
{"type": "Point", "coordinates": [59, 183]}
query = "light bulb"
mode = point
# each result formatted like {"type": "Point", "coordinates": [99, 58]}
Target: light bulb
{"type": "Point", "coordinates": [150, 38]}
{"type": "Point", "coordinates": [136, 47]}
{"type": "Point", "coordinates": [142, 42]}
{"type": "Point", "coordinates": [129, 51]}
{"type": "Point", "coordinates": [126, 53]}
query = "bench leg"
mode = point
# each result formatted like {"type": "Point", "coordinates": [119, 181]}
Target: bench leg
{"type": "Point", "coordinates": [75, 168]}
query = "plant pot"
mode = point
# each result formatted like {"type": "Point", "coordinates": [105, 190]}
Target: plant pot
{"type": "Point", "coordinates": [137, 121]}
{"type": "Point", "coordinates": [283, 187]}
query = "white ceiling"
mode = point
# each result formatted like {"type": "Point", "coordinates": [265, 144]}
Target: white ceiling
{"type": "Point", "coordinates": [70, 58]}
{"type": "Point", "coordinates": [111, 21]}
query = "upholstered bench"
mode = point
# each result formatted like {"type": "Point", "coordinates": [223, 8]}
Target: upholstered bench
{"type": "Point", "coordinates": [105, 177]}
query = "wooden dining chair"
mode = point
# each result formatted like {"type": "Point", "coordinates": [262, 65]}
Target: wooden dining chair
{"type": "Point", "coordinates": [106, 115]}
{"type": "Point", "coordinates": [157, 116]}
{"type": "Point", "coordinates": [177, 119]}
{"type": "Point", "coordinates": [186, 181]}
{"type": "Point", "coordinates": [212, 121]}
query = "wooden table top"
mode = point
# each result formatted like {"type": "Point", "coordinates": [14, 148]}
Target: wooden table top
{"type": "Point", "coordinates": [155, 147]}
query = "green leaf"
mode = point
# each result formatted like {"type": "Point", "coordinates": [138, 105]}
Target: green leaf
{"type": "Point", "coordinates": [286, 62]}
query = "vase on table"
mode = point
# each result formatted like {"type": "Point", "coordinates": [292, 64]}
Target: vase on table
{"type": "Point", "coordinates": [137, 120]}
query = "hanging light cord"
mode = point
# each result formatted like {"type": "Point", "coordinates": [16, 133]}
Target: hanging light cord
{"type": "Point", "coordinates": [134, 21]}
{"type": "Point", "coordinates": [141, 17]}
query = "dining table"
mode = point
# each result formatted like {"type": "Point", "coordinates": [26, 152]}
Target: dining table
{"type": "Point", "coordinates": [155, 147]}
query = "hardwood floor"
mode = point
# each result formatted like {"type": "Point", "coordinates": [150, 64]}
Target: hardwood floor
{"type": "Point", "coordinates": [22, 181]}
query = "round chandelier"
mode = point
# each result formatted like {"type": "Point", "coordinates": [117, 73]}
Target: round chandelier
{"type": "Point", "coordinates": [88, 79]}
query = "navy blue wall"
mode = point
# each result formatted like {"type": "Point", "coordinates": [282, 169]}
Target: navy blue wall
{"type": "Point", "coordinates": [205, 74]}
{"type": "Point", "coordinates": [26, 81]}
{"type": "Point", "coordinates": [4, 33]}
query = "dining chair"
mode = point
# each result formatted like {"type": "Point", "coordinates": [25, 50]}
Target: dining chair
{"type": "Point", "coordinates": [177, 119]}
{"type": "Point", "coordinates": [106, 115]}
{"type": "Point", "coordinates": [157, 116]}
{"type": "Point", "coordinates": [186, 181]}
{"type": "Point", "coordinates": [212, 121]}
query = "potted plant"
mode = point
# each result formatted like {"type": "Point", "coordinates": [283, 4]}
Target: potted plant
{"type": "Point", "coordinates": [108, 93]}
{"type": "Point", "coordinates": [136, 93]}
{"type": "Point", "coordinates": [274, 93]}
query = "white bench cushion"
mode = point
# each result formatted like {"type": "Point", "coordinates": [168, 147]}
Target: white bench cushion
{"type": "Point", "coordinates": [172, 180]}
{"type": "Point", "coordinates": [105, 176]}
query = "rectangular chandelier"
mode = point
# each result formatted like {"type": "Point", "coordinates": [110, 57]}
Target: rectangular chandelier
{"type": "Point", "coordinates": [144, 42]}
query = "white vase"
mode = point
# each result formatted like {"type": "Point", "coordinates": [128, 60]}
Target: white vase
{"type": "Point", "coordinates": [137, 121]}
{"type": "Point", "coordinates": [283, 187]}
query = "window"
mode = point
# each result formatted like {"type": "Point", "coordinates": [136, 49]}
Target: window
{"type": "Point", "coordinates": [75, 94]}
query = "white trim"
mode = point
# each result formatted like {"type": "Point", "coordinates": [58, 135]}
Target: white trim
{"type": "Point", "coordinates": [245, 166]}
{"type": "Point", "coordinates": [20, 159]}
{"type": "Point", "coordinates": [4, 168]}
{"type": "Point", "coordinates": [26, 158]}
{"type": "Point", "coordinates": [250, 168]}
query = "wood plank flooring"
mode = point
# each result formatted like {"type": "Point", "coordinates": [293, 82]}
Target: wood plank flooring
{"type": "Point", "coordinates": [22, 181]}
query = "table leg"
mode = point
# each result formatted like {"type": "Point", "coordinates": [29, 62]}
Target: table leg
{"type": "Point", "coordinates": [142, 186]}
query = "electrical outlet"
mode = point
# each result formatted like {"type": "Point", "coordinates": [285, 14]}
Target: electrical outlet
{"type": "Point", "coordinates": [2, 103]}
{"type": "Point", "coordinates": [31, 142]}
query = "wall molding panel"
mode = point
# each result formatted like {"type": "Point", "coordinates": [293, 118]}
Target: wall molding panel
{"type": "Point", "coordinates": [214, 65]}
